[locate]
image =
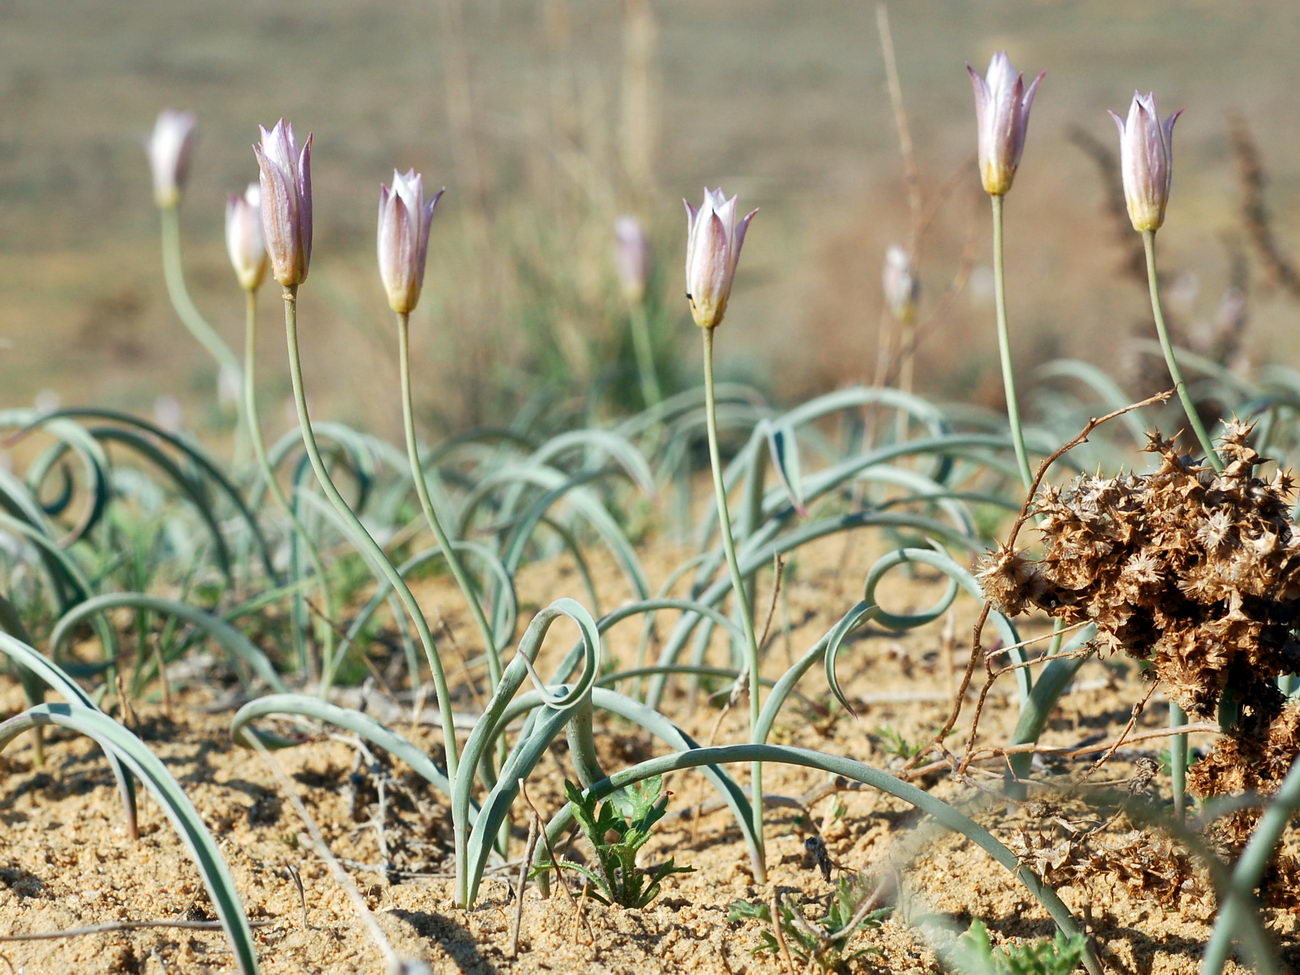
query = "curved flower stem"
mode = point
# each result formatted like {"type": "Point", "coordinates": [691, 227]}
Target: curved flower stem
{"type": "Point", "coordinates": [430, 513]}
{"type": "Point", "coordinates": [737, 583]}
{"type": "Point", "coordinates": [324, 628]}
{"type": "Point", "coordinates": [645, 360]}
{"type": "Point", "coordinates": [190, 316]}
{"type": "Point", "coordinates": [362, 538]}
{"type": "Point", "coordinates": [1004, 347]}
{"type": "Point", "coordinates": [1211, 455]}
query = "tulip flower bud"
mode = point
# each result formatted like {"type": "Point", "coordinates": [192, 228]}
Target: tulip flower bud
{"type": "Point", "coordinates": [1146, 158]}
{"type": "Point", "coordinates": [404, 219]}
{"type": "Point", "coordinates": [170, 147]}
{"type": "Point", "coordinates": [900, 284]}
{"type": "Point", "coordinates": [631, 258]}
{"type": "Point", "coordinates": [244, 237]}
{"type": "Point", "coordinates": [713, 242]}
{"type": "Point", "coordinates": [286, 202]}
{"type": "Point", "coordinates": [1002, 116]}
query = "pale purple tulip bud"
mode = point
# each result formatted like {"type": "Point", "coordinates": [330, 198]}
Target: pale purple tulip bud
{"type": "Point", "coordinates": [168, 414]}
{"type": "Point", "coordinates": [631, 257]}
{"type": "Point", "coordinates": [1002, 106]}
{"type": "Point", "coordinates": [713, 242]}
{"type": "Point", "coordinates": [1146, 159]}
{"type": "Point", "coordinates": [286, 202]}
{"type": "Point", "coordinates": [244, 237]}
{"type": "Point", "coordinates": [900, 284]}
{"type": "Point", "coordinates": [170, 147]}
{"type": "Point", "coordinates": [404, 218]}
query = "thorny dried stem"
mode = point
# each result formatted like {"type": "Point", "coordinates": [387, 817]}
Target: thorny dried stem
{"type": "Point", "coordinates": [522, 887]}
{"type": "Point", "coordinates": [1137, 713]}
{"type": "Point", "coordinates": [111, 926]}
{"type": "Point", "coordinates": [579, 914]}
{"type": "Point", "coordinates": [778, 932]}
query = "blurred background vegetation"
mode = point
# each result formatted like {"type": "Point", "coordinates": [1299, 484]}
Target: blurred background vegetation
{"type": "Point", "coordinates": [546, 119]}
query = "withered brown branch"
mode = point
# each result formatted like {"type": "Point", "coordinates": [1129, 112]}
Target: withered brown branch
{"type": "Point", "coordinates": [1132, 720]}
{"type": "Point", "coordinates": [989, 753]}
{"type": "Point", "coordinates": [1026, 509]}
{"type": "Point", "coordinates": [1254, 209]}
{"type": "Point", "coordinates": [1036, 639]}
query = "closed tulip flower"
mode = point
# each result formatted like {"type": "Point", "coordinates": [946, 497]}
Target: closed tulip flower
{"type": "Point", "coordinates": [900, 284]}
{"type": "Point", "coordinates": [713, 247]}
{"type": "Point", "coordinates": [244, 237]}
{"type": "Point", "coordinates": [170, 147]}
{"type": "Point", "coordinates": [1002, 104]}
{"type": "Point", "coordinates": [1146, 154]}
{"type": "Point", "coordinates": [404, 218]}
{"type": "Point", "coordinates": [631, 257]}
{"type": "Point", "coordinates": [286, 202]}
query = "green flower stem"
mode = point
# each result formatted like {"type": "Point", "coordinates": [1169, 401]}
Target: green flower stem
{"type": "Point", "coordinates": [1021, 765]}
{"type": "Point", "coordinates": [430, 513]}
{"type": "Point", "coordinates": [190, 316]}
{"type": "Point", "coordinates": [1178, 760]}
{"type": "Point", "coordinates": [645, 360]}
{"type": "Point", "coordinates": [1211, 455]}
{"type": "Point", "coordinates": [737, 583]}
{"type": "Point", "coordinates": [1178, 744]}
{"type": "Point", "coordinates": [1004, 347]}
{"type": "Point", "coordinates": [324, 629]}
{"type": "Point", "coordinates": [361, 537]}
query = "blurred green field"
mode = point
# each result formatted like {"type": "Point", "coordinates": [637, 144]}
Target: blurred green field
{"type": "Point", "coordinates": [529, 113]}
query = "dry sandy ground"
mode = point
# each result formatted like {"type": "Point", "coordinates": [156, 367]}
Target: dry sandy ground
{"type": "Point", "coordinates": [66, 861]}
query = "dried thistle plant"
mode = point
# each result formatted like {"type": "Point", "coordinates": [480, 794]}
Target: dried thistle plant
{"type": "Point", "coordinates": [1193, 572]}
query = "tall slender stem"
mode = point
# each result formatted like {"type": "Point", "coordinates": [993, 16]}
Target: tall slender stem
{"type": "Point", "coordinates": [737, 581]}
{"type": "Point", "coordinates": [1178, 744]}
{"type": "Point", "coordinates": [361, 537]}
{"type": "Point", "coordinates": [191, 317]}
{"type": "Point", "coordinates": [430, 513]}
{"type": "Point", "coordinates": [324, 628]}
{"type": "Point", "coordinates": [645, 360]}
{"type": "Point", "coordinates": [1178, 760]}
{"type": "Point", "coordinates": [1020, 766]}
{"type": "Point", "coordinates": [1004, 347]}
{"type": "Point", "coordinates": [1153, 284]}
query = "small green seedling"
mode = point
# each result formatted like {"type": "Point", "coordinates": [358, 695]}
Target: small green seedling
{"type": "Point", "coordinates": [824, 942]}
{"type": "Point", "coordinates": [977, 956]}
{"type": "Point", "coordinates": [616, 829]}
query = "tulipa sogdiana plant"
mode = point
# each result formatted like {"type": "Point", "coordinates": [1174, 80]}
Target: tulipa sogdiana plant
{"type": "Point", "coordinates": [632, 261]}
{"type": "Point", "coordinates": [1146, 148]}
{"type": "Point", "coordinates": [404, 220]}
{"type": "Point", "coordinates": [287, 225]}
{"type": "Point", "coordinates": [170, 149]}
{"type": "Point", "coordinates": [902, 292]}
{"type": "Point", "coordinates": [1002, 104]}
{"type": "Point", "coordinates": [713, 242]}
{"type": "Point", "coordinates": [248, 258]}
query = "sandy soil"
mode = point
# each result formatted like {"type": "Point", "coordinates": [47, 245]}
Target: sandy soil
{"type": "Point", "coordinates": [66, 861]}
